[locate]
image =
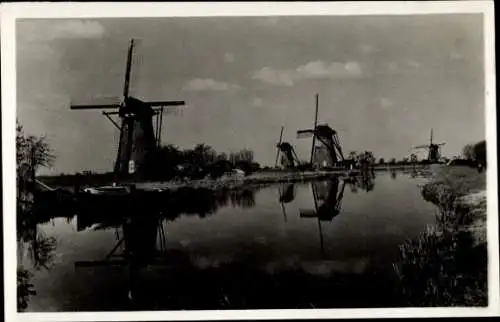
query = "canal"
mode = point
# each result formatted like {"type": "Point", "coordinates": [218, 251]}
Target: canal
{"type": "Point", "coordinates": [322, 244]}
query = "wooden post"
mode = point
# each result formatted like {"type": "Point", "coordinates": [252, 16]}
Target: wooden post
{"type": "Point", "coordinates": [314, 129]}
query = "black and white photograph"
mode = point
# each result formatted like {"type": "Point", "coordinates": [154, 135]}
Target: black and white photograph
{"type": "Point", "coordinates": [266, 157]}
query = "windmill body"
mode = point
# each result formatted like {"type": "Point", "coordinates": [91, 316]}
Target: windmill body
{"type": "Point", "coordinates": [327, 150]}
{"type": "Point", "coordinates": [139, 136]}
{"type": "Point", "coordinates": [289, 158]}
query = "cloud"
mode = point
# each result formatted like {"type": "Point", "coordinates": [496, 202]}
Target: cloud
{"type": "Point", "coordinates": [229, 57]}
{"type": "Point", "coordinates": [68, 29]}
{"type": "Point", "coordinates": [275, 77]}
{"type": "Point", "coordinates": [413, 64]}
{"type": "Point", "coordinates": [402, 67]}
{"type": "Point", "coordinates": [311, 70]}
{"type": "Point", "coordinates": [208, 84]}
{"type": "Point", "coordinates": [257, 101]}
{"type": "Point", "coordinates": [320, 69]}
{"type": "Point", "coordinates": [367, 49]}
{"type": "Point", "coordinates": [385, 103]}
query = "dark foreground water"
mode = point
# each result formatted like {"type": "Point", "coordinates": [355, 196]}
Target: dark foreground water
{"type": "Point", "coordinates": [328, 244]}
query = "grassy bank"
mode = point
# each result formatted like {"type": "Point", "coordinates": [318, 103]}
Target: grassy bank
{"type": "Point", "coordinates": [447, 265]}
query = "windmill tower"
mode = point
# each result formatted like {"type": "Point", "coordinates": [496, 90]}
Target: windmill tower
{"type": "Point", "coordinates": [434, 150]}
{"type": "Point", "coordinates": [289, 158]}
{"type": "Point", "coordinates": [138, 136]}
{"type": "Point", "coordinates": [326, 150]}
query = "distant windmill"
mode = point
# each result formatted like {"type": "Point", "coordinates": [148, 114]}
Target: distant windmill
{"type": "Point", "coordinates": [434, 150]}
{"type": "Point", "coordinates": [289, 158]}
{"type": "Point", "coordinates": [138, 136]}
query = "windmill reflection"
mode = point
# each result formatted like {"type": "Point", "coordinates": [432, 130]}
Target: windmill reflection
{"type": "Point", "coordinates": [327, 196]}
{"type": "Point", "coordinates": [140, 237]}
{"type": "Point", "coordinates": [286, 195]}
{"type": "Point", "coordinates": [140, 242]}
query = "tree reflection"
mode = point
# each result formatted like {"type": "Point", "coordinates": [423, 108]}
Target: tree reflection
{"type": "Point", "coordinates": [41, 253]}
{"type": "Point", "coordinates": [365, 182]}
{"type": "Point", "coordinates": [24, 288]}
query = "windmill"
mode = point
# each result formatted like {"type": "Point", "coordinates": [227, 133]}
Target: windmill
{"type": "Point", "coordinates": [138, 137]}
{"type": "Point", "coordinates": [434, 150]}
{"type": "Point", "coordinates": [327, 152]}
{"type": "Point", "coordinates": [289, 158]}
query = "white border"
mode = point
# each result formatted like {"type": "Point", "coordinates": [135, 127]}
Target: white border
{"type": "Point", "coordinates": [12, 11]}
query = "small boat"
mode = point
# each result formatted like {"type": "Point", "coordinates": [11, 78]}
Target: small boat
{"type": "Point", "coordinates": [108, 190]}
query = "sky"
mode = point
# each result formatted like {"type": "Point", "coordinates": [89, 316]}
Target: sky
{"type": "Point", "coordinates": [383, 82]}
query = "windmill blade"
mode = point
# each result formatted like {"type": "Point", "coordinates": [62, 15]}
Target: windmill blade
{"type": "Point", "coordinates": [166, 103]}
{"type": "Point", "coordinates": [128, 70]}
{"type": "Point", "coordinates": [304, 133]}
{"type": "Point", "coordinates": [278, 147]}
{"type": "Point", "coordinates": [94, 107]}
{"type": "Point", "coordinates": [423, 146]}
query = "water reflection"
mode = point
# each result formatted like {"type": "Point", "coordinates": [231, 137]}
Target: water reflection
{"type": "Point", "coordinates": [214, 252]}
{"type": "Point", "coordinates": [286, 195]}
{"type": "Point", "coordinates": [365, 182]}
{"type": "Point", "coordinates": [36, 252]}
{"type": "Point", "coordinates": [169, 205]}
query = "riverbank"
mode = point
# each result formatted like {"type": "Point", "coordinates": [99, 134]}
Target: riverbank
{"type": "Point", "coordinates": [447, 265]}
{"type": "Point", "coordinates": [236, 182]}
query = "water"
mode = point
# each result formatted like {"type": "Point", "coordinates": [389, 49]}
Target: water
{"type": "Point", "coordinates": [280, 246]}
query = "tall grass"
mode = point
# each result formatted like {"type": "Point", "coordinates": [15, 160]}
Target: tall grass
{"type": "Point", "coordinates": [444, 266]}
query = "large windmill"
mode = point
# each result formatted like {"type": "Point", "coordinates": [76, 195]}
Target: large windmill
{"type": "Point", "coordinates": [327, 152]}
{"type": "Point", "coordinates": [138, 137]}
{"type": "Point", "coordinates": [289, 158]}
{"type": "Point", "coordinates": [434, 150]}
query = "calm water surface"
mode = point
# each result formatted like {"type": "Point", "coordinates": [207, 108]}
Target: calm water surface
{"type": "Point", "coordinates": [292, 240]}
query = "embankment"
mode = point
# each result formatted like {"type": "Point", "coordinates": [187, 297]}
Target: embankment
{"type": "Point", "coordinates": [447, 265]}
{"type": "Point", "coordinates": [236, 182]}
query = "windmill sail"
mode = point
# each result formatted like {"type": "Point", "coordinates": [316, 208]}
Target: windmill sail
{"type": "Point", "coordinates": [138, 136]}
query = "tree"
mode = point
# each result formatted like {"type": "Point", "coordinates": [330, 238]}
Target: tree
{"type": "Point", "coordinates": [468, 152]}
{"type": "Point", "coordinates": [221, 157]}
{"type": "Point", "coordinates": [353, 155]}
{"type": "Point", "coordinates": [392, 161]}
{"type": "Point", "coordinates": [241, 156]}
{"type": "Point", "coordinates": [31, 153]}
{"type": "Point", "coordinates": [413, 158]}
{"type": "Point", "coordinates": [381, 161]}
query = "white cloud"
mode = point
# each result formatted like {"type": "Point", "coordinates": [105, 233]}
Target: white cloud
{"type": "Point", "coordinates": [311, 70]}
{"type": "Point", "coordinates": [402, 67]}
{"type": "Point", "coordinates": [68, 29]}
{"type": "Point", "coordinates": [385, 103]}
{"type": "Point", "coordinates": [413, 64]}
{"type": "Point", "coordinates": [257, 101]}
{"type": "Point", "coordinates": [320, 69]}
{"type": "Point", "coordinates": [229, 57]}
{"type": "Point", "coordinates": [208, 84]}
{"type": "Point", "coordinates": [275, 77]}
{"type": "Point", "coordinates": [367, 49]}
